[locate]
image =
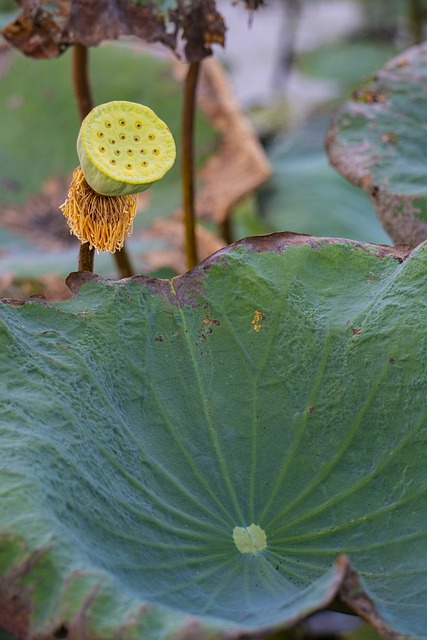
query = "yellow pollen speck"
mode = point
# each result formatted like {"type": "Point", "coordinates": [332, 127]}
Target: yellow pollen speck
{"type": "Point", "coordinates": [257, 319]}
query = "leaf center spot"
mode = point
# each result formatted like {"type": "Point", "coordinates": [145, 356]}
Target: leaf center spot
{"type": "Point", "coordinates": [250, 539]}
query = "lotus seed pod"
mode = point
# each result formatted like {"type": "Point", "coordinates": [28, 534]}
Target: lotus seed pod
{"type": "Point", "coordinates": [123, 148]}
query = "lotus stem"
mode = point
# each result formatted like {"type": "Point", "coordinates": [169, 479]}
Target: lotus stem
{"type": "Point", "coordinates": [416, 16]}
{"type": "Point", "coordinates": [86, 257]}
{"type": "Point", "coordinates": [187, 161]}
{"type": "Point", "coordinates": [85, 104]}
{"type": "Point", "coordinates": [123, 148]}
{"type": "Point", "coordinates": [123, 263]}
{"type": "Point", "coordinates": [79, 67]}
{"type": "Point", "coordinates": [81, 80]}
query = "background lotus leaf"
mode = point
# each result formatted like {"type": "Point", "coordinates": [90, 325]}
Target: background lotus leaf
{"type": "Point", "coordinates": [275, 393]}
{"type": "Point", "coordinates": [377, 141]}
{"type": "Point", "coordinates": [327, 204]}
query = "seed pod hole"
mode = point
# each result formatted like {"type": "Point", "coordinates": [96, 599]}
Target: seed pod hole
{"type": "Point", "coordinates": [130, 152]}
{"type": "Point", "coordinates": [108, 124]}
{"type": "Point", "coordinates": [151, 137]}
{"type": "Point", "coordinates": [155, 152]}
{"type": "Point", "coordinates": [100, 134]}
{"type": "Point", "coordinates": [136, 138]}
{"type": "Point", "coordinates": [129, 166]}
{"type": "Point", "coordinates": [117, 152]}
{"type": "Point", "coordinates": [142, 152]}
{"type": "Point", "coordinates": [102, 149]}
{"type": "Point", "coordinates": [113, 161]}
{"type": "Point", "coordinates": [122, 136]}
{"type": "Point", "coordinates": [112, 141]}
{"type": "Point", "coordinates": [122, 122]}
{"type": "Point", "coordinates": [144, 163]}
{"type": "Point", "coordinates": [138, 125]}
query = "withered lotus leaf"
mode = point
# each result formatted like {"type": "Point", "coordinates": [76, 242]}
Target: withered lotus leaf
{"type": "Point", "coordinates": [46, 29]}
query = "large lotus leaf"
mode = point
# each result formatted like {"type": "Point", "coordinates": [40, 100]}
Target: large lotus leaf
{"type": "Point", "coordinates": [192, 458]}
{"type": "Point", "coordinates": [377, 141]}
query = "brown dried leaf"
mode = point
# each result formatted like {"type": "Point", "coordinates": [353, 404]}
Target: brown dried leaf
{"type": "Point", "coordinates": [240, 166]}
{"type": "Point", "coordinates": [39, 218]}
{"type": "Point", "coordinates": [202, 25]}
{"type": "Point", "coordinates": [45, 28]}
{"type": "Point", "coordinates": [253, 5]}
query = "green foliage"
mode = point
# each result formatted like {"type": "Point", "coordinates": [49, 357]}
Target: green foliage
{"type": "Point", "coordinates": [204, 457]}
{"type": "Point", "coordinates": [364, 632]}
{"type": "Point", "coordinates": [377, 141]}
{"type": "Point", "coordinates": [280, 384]}
{"type": "Point", "coordinates": [306, 195]}
{"type": "Point", "coordinates": [38, 140]}
{"type": "Point", "coordinates": [8, 12]}
{"type": "Point", "coordinates": [346, 62]}
{"type": "Point", "coordinates": [40, 121]}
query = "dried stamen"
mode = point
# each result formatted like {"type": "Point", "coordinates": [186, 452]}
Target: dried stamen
{"type": "Point", "coordinates": [103, 221]}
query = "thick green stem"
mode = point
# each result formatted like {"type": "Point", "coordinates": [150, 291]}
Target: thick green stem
{"type": "Point", "coordinates": [416, 18]}
{"type": "Point", "coordinates": [123, 263]}
{"type": "Point", "coordinates": [86, 257]}
{"type": "Point", "coordinates": [187, 162]}
{"type": "Point", "coordinates": [81, 80]}
{"type": "Point", "coordinates": [85, 104]}
{"type": "Point", "coordinates": [227, 230]}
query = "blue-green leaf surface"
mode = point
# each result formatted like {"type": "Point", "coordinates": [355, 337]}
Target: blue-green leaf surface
{"type": "Point", "coordinates": [307, 195]}
{"type": "Point", "coordinates": [377, 141]}
{"type": "Point", "coordinates": [193, 457]}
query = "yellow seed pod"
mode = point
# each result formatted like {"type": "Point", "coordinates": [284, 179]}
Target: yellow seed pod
{"type": "Point", "coordinates": [123, 148]}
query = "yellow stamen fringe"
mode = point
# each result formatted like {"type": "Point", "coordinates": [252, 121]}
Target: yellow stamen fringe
{"type": "Point", "coordinates": [103, 221]}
